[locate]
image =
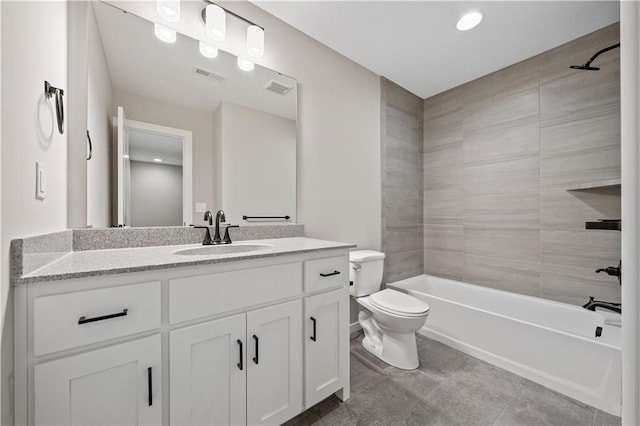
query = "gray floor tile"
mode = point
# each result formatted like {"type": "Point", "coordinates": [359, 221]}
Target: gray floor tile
{"type": "Point", "coordinates": [439, 360]}
{"type": "Point", "coordinates": [449, 388]}
{"type": "Point", "coordinates": [600, 418]}
{"type": "Point", "coordinates": [537, 405]}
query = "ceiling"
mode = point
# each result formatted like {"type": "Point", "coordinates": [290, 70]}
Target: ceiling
{"type": "Point", "coordinates": [416, 43]}
{"type": "Point", "coordinates": [147, 146]}
{"type": "Point", "coordinates": [140, 63]}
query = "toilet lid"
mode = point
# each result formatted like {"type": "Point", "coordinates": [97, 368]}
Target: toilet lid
{"type": "Point", "coordinates": [397, 302]}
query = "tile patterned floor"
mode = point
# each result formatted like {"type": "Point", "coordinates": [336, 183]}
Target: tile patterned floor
{"type": "Point", "coordinates": [449, 388]}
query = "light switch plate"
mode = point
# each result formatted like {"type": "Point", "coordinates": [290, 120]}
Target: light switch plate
{"type": "Point", "coordinates": [201, 207]}
{"type": "Point", "coordinates": [40, 181]}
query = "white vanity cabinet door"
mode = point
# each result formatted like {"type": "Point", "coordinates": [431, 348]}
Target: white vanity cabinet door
{"type": "Point", "coordinates": [326, 343]}
{"type": "Point", "coordinates": [208, 373]}
{"type": "Point", "coordinates": [274, 363]}
{"type": "Point", "coordinates": [110, 386]}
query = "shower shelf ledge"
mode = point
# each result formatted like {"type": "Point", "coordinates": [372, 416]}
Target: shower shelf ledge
{"type": "Point", "coordinates": [607, 183]}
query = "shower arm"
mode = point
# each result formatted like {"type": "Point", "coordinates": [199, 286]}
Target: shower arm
{"type": "Point", "coordinates": [600, 52]}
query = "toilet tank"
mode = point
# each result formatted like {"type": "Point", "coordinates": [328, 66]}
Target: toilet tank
{"type": "Point", "coordinates": [365, 271]}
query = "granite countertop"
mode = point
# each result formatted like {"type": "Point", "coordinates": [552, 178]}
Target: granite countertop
{"type": "Point", "coordinates": [88, 263]}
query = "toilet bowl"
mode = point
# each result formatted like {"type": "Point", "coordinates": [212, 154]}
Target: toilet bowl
{"type": "Point", "coordinates": [390, 318]}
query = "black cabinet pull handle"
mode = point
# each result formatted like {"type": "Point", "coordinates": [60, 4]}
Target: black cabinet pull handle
{"type": "Point", "coordinates": [255, 358]}
{"type": "Point", "coordinates": [90, 146]}
{"type": "Point", "coordinates": [240, 363]}
{"type": "Point", "coordinates": [330, 274]}
{"type": "Point", "coordinates": [85, 320]}
{"type": "Point", "coordinates": [150, 382]}
{"type": "Point", "coordinates": [313, 337]}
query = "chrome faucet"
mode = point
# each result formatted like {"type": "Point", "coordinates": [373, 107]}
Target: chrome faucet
{"type": "Point", "coordinates": [592, 304]}
{"type": "Point", "coordinates": [216, 236]}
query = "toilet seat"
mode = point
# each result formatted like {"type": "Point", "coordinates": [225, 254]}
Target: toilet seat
{"type": "Point", "coordinates": [398, 303]}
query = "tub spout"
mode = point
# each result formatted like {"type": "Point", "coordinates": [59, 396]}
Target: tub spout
{"type": "Point", "coordinates": [592, 304]}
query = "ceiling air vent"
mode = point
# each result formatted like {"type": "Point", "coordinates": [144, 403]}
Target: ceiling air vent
{"type": "Point", "coordinates": [278, 88]}
{"type": "Point", "coordinates": [218, 78]}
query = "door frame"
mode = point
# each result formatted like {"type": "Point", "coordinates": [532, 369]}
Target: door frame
{"type": "Point", "coordinates": [187, 160]}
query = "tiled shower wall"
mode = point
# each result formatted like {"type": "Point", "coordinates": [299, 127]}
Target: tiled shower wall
{"type": "Point", "coordinates": [402, 191]}
{"type": "Point", "coordinates": [501, 156]}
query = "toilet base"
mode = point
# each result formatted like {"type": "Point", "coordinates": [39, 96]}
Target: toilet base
{"type": "Point", "coordinates": [398, 349]}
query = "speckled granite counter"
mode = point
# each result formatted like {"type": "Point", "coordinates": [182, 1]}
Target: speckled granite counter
{"type": "Point", "coordinates": [87, 263]}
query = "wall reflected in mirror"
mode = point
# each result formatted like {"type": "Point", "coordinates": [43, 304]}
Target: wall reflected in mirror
{"type": "Point", "coordinates": [225, 138]}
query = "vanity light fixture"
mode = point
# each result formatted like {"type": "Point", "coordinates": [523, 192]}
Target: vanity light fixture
{"type": "Point", "coordinates": [165, 34]}
{"type": "Point", "coordinates": [255, 41]}
{"type": "Point", "coordinates": [169, 10]}
{"type": "Point", "coordinates": [158, 160]}
{"type": "Point", "coordinates": [244, 64]}
{"type": "Point", "coordinates": [214, 19]}
{"type": "Point", "coordinates": [215, 22]}
{"type": "Point", "coordinates": [469, 21]}
{"type": "Point", "coordinates": [207, 50]}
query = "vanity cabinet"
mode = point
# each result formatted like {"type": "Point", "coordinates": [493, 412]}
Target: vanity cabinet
{"type": "Point", "coordinates": [245, 342]}
{"type": "Point", "coordinates": [242, 369]}
{"type": "Point", "coordinates": [117, 385]}
{"type": "Point", "coordinates": [326, 342]}
{"type": "Point", "coordinates": [208, 373]}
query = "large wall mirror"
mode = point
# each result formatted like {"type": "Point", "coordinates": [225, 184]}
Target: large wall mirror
{"type": "Point", "coordinates": [175, 132]}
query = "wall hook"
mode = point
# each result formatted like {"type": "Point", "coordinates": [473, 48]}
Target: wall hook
{"type": "Point", "coordinates": [50, 91]}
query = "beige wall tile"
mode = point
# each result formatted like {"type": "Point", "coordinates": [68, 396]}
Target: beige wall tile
{"type": "Point", "coordinates": [519, 244]}
{"type": "Point", "coordinates": [513, 176]}
{"type": "Point", "coordinates": [445, 264]}
{"type": "Point", "coordinates": [504, 274]}
{"type": "Point", "coordinates": [513, 210]}
{"type": "Point", "coordinates": [575, 284]}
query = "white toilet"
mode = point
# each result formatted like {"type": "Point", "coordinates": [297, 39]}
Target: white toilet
{"type": "Point", "coordinates": [391, 318]}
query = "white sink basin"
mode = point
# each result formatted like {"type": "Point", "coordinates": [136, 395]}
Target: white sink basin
{"type": "Point", "coordinates": [222, 249]}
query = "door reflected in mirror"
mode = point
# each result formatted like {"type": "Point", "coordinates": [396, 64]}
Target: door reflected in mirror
{"type": "Point", "coordinates": [226, 138]}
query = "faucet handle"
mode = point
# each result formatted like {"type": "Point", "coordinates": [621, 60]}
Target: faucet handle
{"type": "Point", "coordinates": [207, 236]}
{"type": "Point", "coordinates": [227, 238]}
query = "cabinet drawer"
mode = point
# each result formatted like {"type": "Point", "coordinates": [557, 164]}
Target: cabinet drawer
{"type": "Point", "coordinates": [205, 295]}
{"type": "Point", "coordinates": [330, 272]}
{"type": "Point", "coordinates": [74, 319]}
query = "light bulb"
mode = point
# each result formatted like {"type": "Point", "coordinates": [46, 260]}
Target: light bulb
{"type": "Point", "coordinates": [216, 22]}
{"type": "Point", "coordinates": [255, 41]}
{"type": "Point", "coordinates": [468, 21]}
{"type": "Point", "coordinates": [169, 10]}
{"type": "Point", "coordinates": [165, 34]}
{"type": "Point", "coordinates": [245, 64]}
{"type": "Point", "coordinates": [207, 50]}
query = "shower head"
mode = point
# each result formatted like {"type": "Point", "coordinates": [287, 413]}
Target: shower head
{"type": "Point", "coordinates": [587, 65]}
{"type": "Point", "coordinates": [584, 67]}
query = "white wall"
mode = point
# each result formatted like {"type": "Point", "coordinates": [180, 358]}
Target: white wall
{"type": "Point", "coordinates": [156, 194]}
{"type": "Point", "coordinates": [630, 140]}
{"type": "Point", "coordinates": [34, 49]}
{"type": "Point", "coordinates": [258, 163]}
{"type": "Point", "coordinates": [338, 178]}
{"type": "Point", "coordinates": [200, 123]}
{"type": "Point", "coordinates": [99, 90]}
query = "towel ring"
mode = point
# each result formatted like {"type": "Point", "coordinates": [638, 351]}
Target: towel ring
{"type": "Point", "coordinates": [50, 91]}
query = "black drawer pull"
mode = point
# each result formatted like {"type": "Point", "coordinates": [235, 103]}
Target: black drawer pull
{"type": "Point", "coordinates": [240, 363]}
{"type": "Point", "coordinates": [85, 320]}
{"type": "Point", "coordinates": [313, 337]}
{"type": "Point", "coordinates": [255, 358]}
{"type": "Point", "coordinates": [330, 274]}
{"type": "Point", "coordinates": [149, 381]}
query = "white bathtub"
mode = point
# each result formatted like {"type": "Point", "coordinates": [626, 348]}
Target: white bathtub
{"type": "Point", "coordinates": [548, 342]}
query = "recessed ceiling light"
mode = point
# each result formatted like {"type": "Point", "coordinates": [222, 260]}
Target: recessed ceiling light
{"type": "Point", "coordinates": [468, 21]}
{"type": "Point", "coordinates": [158, 160]}
{"type": "Point", "coordinates": [165, 34]}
